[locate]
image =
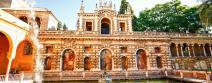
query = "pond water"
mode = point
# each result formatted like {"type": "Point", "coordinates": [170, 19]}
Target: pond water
{"type": "Point", "coordinates": [127, 81]}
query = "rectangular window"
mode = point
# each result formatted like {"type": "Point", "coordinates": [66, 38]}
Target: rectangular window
{"type": "Point", "coordinates": [88, 26]}
{"type": "Point", "coordinates": [122, 27]}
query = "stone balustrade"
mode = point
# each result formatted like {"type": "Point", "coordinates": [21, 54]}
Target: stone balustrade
{"type": "Point", "coordinates": [143, 34]}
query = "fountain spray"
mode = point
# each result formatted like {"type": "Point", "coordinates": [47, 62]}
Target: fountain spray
{"type": "Point", "coordinates": [34, 33]}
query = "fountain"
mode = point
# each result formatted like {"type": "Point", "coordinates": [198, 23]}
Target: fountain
{"type": "Point", "coordinates": [34, 32]}
{"type": "Point", "coordinates": [105, 78]}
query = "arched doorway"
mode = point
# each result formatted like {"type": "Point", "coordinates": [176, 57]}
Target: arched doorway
{"type": "Point", "coordinates": [207, 49]}
{"type": "Point", "coordinates": [141, 59]}
{"type": "Point", "coordinates": [173, 50]}
{"type": "Point", "coordinates": [124, 63]}
{"type": "Point", "coordinates": [106, 60]}
{"type": "Point", "coordinates": [87, 63]}
{"type": "Point", "coordinates": [197, 50]}
{"type": "Point", "coordinates": [38, 21]}
{"type": "Point", "coordinates": [68, 58]}
{"type": "Point", "coordinates": [105, 26]}
{"type": "Point", "coordinates": [47, 63]}
{"type": "Point", "coordinates": [185, 50]}
{"type": "Point", "coordinates": [24, 59]}
{"type": "Point", "coordinates": [4, 50]}
{"type": "Point", "coordinates": [159, 62]}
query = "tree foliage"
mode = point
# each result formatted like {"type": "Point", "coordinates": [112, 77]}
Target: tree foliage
{"type": "Point", "coordinates": [169, 17]}
{"type": "Point", "coordinates": [59, 26]}
{"type": "Point", "coordinates": [65, 27]}
{"type": "Point", "coordinates": [123, 8]}
{"type": "Point", "coordinates": [205, 13]}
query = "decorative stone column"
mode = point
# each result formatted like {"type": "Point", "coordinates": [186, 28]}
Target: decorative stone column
{"type": "Point", "coordinates": [130, 24]}
{"type": "Point", "coordinates": [210, 49]}
{"type": "Point", "coordinates": [80, 23]}
{"type": "Point", "coordinates": [203, 47]}
{"type": "Point", "coordinates": [115, 24]}
{"type": "Point", "coordinates": [181, 47]}
{"type": "Point", "coordinates": [177, 51]}
{"type": "Point", "coordinates": [189, 51]}
{"type": "Point", "coordinates": [96, 24]}
{"type": "Point", "coordinates": [193, 50]}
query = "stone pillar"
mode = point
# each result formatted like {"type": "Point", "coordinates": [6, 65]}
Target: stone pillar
{"type": "Point", "coordinates": [210, 49]}
{"type": "Point", "coordinates": [80, 23]}
{"type": "Point", "coordinates": [189, 51]}
{"type": "Point", "coordinates": [181, 47]}
{"type": "Point", "coordinates": [96, 24]}
{"type": "Point", "coordinates": [177, 51]}
{"type": "Point", "coordinates": [13, 54]}
{"type": "Point", "coordinates": [130, 25]}
{"type": "Point", "coordinates": [203, 47]}
{"type": "Point", "coordinates": [115, 24]}
{"type": "Point", "coordinates": [193, 50]}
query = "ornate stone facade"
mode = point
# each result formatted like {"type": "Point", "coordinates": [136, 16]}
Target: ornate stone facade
{"type": "Point", "coordinates": [104, 40]}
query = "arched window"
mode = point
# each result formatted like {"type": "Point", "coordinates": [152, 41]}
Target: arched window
{"type": "Point", "coordinates": [105, 26]}
{"type": "Point", "coordinates": [24, 18]}
{"type": "Point", "coordinates": [173, 50]}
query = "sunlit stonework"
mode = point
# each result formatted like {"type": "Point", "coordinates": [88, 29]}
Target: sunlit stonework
{"type": "Point", "coordinates": [104, 41]}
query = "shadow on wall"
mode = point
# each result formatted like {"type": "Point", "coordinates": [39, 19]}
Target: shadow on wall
{"type": "Point", "coordinates": [5, 3]}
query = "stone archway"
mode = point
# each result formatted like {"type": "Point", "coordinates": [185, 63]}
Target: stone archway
{"type": "Point", "coordinates": [105, 60]}
{"type": "Point", "coordinates": [105, 26]}
{"type": "Point", "coordinates": [4, 51]}
{"type": "Point", "coordinates": [24, 59]}
{"type": "Point", "coordinates": [68, 60]}
{"type": "Point", "coordinates": [173, 50]}
{"type": "Point", "coordinates": [141, 59]}
{"type": "Point", "coordinates": [87, 63]}
{"type": "Point", "coordinates": [38, 21]}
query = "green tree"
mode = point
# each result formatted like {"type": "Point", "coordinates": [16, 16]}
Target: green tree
{"type": "Point", "coordinates": [59, 26]}
{"type": "Point", "coordinates": [169, 17]}
{"type": "Point", "coordinates": [123, 8]}
{"type": "Point", "coordinates": [65, 27]}
{"type": "Point", "coordinates": [205, 13]}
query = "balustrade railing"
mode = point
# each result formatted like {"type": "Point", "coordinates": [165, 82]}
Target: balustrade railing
{"type": "Point", "coordinates": [143, 34]}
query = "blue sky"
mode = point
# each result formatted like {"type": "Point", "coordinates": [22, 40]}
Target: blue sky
{"type": "Point", "coordinates": [66, 10]}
